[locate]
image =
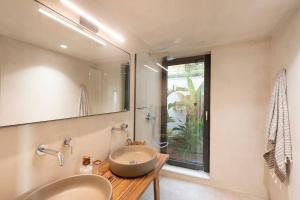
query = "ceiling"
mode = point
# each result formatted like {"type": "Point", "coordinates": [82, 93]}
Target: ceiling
{"type": "Point", "coordinates": [159, 25]}
{"type": "Point", "coordinates": [20, 20]}
{"type": "Point", "coordinates": [166, 25]}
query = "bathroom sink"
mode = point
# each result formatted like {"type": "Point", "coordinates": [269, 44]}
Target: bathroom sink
{"type": "Point", "coordinates": [90, 187]}
{"type": "Point", "coordinates": [133, 161]}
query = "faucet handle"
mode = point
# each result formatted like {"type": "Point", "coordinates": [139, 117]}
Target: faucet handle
{"type": "Point", "coordinates": [68, 142]}
{"type": "Point", "coordinates": [41, 149]}
{"type": "Point", "coordinates": [124, 126]}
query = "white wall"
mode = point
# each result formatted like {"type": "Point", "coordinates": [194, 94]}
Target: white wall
{"type": "Point", "coordinates": [38, 84]}
{"type": "Point", "coordinates": [286, 54]}
{"type": "Point", "coordinates": [239, 101]}
{"type": "Point", "coordinates": [112, 88]}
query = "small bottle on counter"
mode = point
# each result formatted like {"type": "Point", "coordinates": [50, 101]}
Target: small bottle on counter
{"type": "Point", "coordinates": [86, 167]}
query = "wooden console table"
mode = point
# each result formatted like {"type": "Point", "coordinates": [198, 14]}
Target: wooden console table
{"type": "Point", "coordinates": [133, 188]}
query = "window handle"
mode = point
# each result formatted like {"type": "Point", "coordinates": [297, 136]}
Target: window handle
{"type": "Point", "coordinates": [206, 115]}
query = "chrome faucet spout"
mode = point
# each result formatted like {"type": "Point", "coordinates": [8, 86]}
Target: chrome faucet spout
{"type": "Point", "coordinates": [60, 158]}
{"type": "Point", "coordinates": [43, 149]}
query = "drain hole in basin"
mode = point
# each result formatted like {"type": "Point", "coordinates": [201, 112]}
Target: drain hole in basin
{"type": "Point", "coordinates": [132, 162]}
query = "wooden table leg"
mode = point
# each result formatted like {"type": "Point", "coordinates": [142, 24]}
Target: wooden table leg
{"type": "Point", "coordinates": [156, 188]}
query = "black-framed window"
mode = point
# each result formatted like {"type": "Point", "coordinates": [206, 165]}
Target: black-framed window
{"type": "Point", "coordinates": [185, 111]}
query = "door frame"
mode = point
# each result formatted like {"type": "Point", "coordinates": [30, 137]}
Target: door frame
{"type": "Point", "coordinates": [164, 113]}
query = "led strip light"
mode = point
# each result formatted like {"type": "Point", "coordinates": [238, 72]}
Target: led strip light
{"type": "Point", "coordinates": [54, 16]}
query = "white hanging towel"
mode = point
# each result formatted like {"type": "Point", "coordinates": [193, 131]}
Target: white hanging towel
{"type": "Point", "coordinates": [279, 154]}
{"type": "Point", "coordinates": [84, 102]}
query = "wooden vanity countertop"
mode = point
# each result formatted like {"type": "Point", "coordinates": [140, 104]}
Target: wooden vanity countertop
{"type": "Point", "coordinates": [131, 188]}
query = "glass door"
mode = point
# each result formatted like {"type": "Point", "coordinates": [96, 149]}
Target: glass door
{"type": "Point", "coordinates": [185, 111]}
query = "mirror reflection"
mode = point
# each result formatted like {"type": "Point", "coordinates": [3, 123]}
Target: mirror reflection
{"type": "Point", "coordinates": [49, 70]}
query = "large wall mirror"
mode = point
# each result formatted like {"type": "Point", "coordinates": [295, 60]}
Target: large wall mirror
{"type": "Point", "coordinates": [54, 68]}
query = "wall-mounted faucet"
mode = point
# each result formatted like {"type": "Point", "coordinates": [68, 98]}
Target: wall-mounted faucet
{"type": "Point", "coordinates": [122, 127]}
{"type": "Point", "coordinates": [43, 149]}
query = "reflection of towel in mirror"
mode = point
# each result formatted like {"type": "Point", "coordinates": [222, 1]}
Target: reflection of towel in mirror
{"type": "Point", "coordinates": [279, 152]}
{"type": "Point", "coordinates": [84, 102]}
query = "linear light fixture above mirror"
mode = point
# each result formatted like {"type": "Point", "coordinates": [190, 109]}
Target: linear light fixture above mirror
{"type": "Point", "coordinates": [58, 18]}
{"type": "Point", "coordinates": [94, 21]}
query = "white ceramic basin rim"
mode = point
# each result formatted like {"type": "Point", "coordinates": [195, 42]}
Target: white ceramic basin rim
{"type": "Point", "coordinates": [77, 187]}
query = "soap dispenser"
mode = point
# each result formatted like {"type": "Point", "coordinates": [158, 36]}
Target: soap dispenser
{"type": "Point", "coordinates": [86, 167]}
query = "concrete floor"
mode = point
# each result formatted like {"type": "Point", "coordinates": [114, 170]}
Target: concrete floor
{"type": "Point", "coordinates": [174, 189]}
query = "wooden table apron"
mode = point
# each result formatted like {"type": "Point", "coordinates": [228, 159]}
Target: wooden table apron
{"type": "Point", "coordinates": [133, 188]}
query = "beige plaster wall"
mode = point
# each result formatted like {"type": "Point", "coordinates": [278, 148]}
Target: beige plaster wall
{"type": "Point", "coordinates": [286, 54]}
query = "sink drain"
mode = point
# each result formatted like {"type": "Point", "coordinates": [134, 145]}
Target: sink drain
{"type": "Point", "coordinates": [132, 162]}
